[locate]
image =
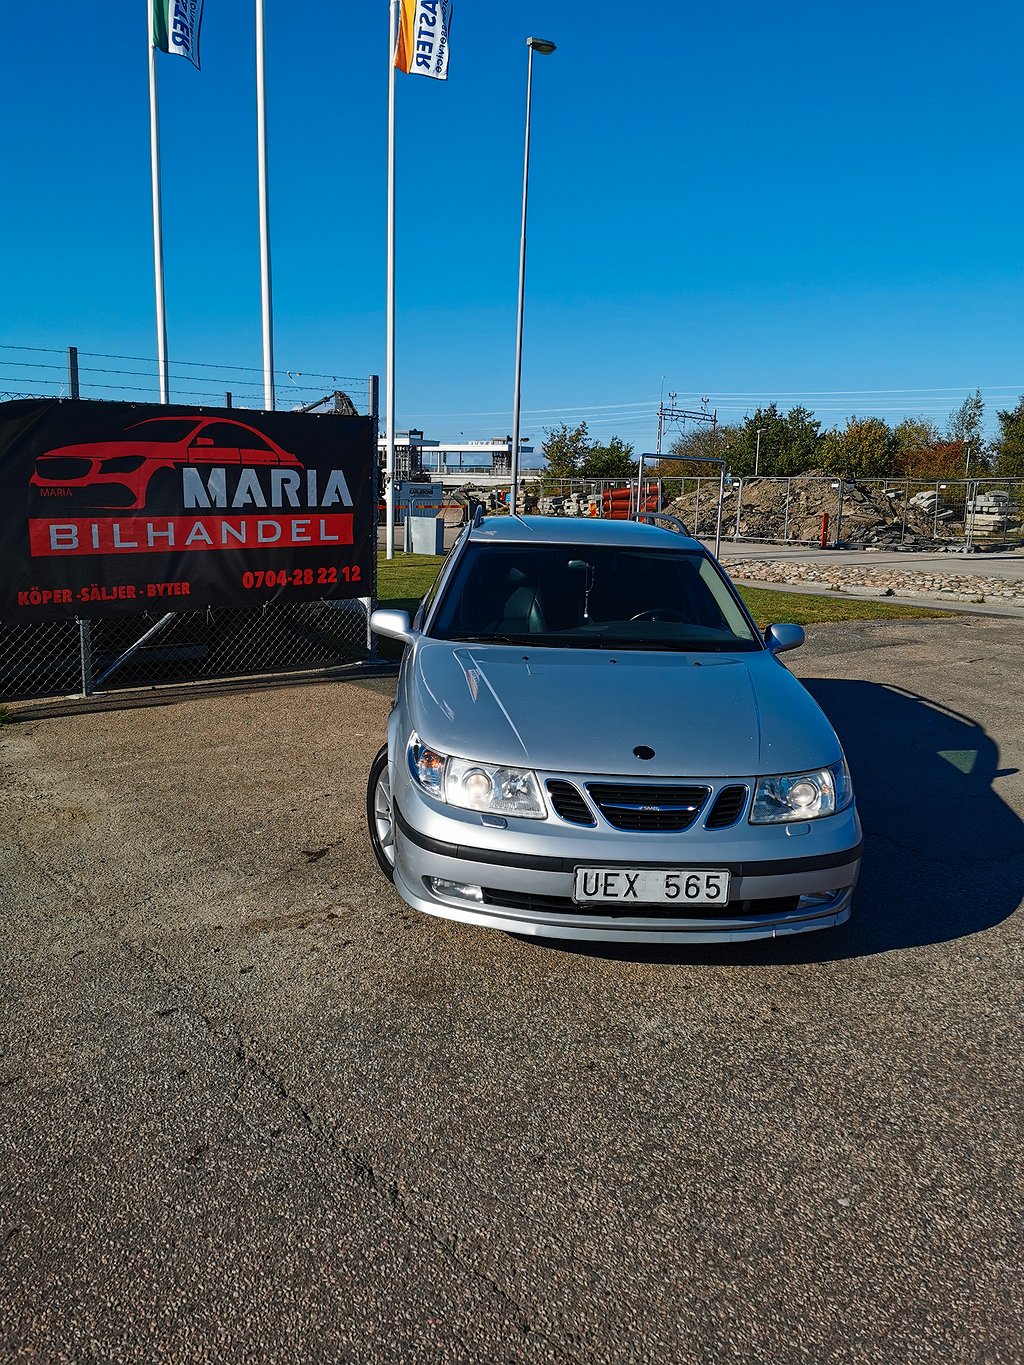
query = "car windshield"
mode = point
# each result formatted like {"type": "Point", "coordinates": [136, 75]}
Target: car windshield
{"type": "Point", "coordinates": [579, 597]}
{"type": "Point", "coordinates": [162, 429]}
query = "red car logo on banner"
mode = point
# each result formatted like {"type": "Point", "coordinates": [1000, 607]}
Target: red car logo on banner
{"type": "Point", "coordinates": [118, 473]}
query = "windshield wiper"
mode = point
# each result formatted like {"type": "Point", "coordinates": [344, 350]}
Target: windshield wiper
{"type": "Point", "coordinates": [494, 639]}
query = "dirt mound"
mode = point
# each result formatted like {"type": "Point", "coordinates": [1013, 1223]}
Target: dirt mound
{"type": "Point", "coordinates": [792, 509]}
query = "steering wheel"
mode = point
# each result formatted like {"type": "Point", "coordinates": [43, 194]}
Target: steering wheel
{"type": "Point", "coordinates": [659, 614]}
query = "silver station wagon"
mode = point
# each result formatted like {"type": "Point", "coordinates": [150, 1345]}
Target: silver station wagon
{"type": "Point", "coordinates": [592, 740]}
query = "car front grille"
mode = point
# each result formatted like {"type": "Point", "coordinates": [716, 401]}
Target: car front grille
{"type": "Point", "coordinates": [63, 467]}
{"type": "Point", "coordinates": [727, 809]}
{"type": "Point", "coordinates": [649, 808]}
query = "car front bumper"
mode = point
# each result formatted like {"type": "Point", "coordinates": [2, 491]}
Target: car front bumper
{"type": "Point", "coordinates": [783, 879]}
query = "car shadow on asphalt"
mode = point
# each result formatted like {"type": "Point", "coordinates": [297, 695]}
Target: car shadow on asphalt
{"type": "Point", "coordinates": [944, 854]}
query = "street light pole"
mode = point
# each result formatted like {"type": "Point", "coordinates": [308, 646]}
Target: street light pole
{"type": "Point", "coordinates": [757, 452]}
{"type": "Point", "coordinates": [544, 47]}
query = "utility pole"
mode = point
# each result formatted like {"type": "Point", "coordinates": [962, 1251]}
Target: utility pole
{"type": "Point", "coordinates": [671, 413]}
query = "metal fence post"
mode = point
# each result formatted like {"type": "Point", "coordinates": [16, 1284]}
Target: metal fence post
{"type": "Point", "coordinates": [739, 507]}
{"type": "Point", "coordinates": [85, 650]}
{"type": "Point", "coordinates": [373, 405]}
{"type": "Point", "coordinates": [721, 496]}
{"type": "Point", "coordinates": [785, 519]}
{"type": "Point", "coordinates": [73, 391]}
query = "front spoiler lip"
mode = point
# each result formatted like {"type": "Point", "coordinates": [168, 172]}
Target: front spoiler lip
{"type": "Point", "coordinates": [595, 929]}
{"type": "Point", "coordinates": [536, 862]}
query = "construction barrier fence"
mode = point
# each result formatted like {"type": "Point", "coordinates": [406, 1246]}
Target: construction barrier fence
{"type": "Point", "coordinates": [809, 509]}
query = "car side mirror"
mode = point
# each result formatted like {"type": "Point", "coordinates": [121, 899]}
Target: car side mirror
{"type": "Point", "coordinates": [780, 638]}
{"type": "Point", "coordinates": [394, 624]}
{"type": "Point", "coordinates": [203, 441]}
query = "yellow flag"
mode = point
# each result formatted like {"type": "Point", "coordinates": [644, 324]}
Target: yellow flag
{"type": "Point", "coordinates": [423, 38]}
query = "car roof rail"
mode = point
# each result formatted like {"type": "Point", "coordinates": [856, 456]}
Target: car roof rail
{"type": "Point", "coordinates": [674, 523]}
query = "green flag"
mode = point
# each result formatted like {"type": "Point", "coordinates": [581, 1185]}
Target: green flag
{"type": "Point", "coordinates": [175, 27]}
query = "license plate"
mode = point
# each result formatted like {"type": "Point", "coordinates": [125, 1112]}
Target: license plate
{"type": "Point", "coordinates": [651, 886]}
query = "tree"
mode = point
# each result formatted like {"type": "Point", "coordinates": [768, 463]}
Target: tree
{"type": "Point", "coordinates": [742, 454]}
{"type": "Point", "coordinates": [789, 444]}
{"type": "Point", "coordinates": [831, 453]}
{"type": "Point", "coordinates": [940, 460]}
{"type": "Point", "coordinates": [921, 453]}
{"type": "Point", "coordinates": [697, 442]}
{"type": "Point", "coordinates": [569, 453]}
{"type": "Point", "coordinates": [914, 434]}
{"type": "Point", "coordinates": [802, 444]}
{"type": "Point", "coordinates": [965, 427]}
{"type": "Point", "coordinates": [865, 450]}
{"type": "Point", "coordinates": [565, 451]}
{"type": "Point", "coordinates": [611, 461]}
{"type": "Point", "coordinates": [1010, 442]}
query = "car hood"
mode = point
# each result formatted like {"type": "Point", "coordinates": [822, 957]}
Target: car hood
{"type": "Point", "coordinates": [104, 450]}
{"type": "Point", "coordinates": [708, 715]}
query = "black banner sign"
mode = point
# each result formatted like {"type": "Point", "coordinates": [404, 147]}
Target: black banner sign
{"type": "Point", "coordinates": [110, 508]}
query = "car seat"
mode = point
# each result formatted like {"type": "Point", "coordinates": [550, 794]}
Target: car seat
{"type": "Point", "coordinates": [523, 611]}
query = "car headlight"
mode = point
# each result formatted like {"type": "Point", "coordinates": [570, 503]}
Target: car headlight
{"type": "Point", "coordinates": [802, 796]}
{"type": "Point", "coordinates": [122, 464]}
{"type": "Point", "coordinates": [489, 787]}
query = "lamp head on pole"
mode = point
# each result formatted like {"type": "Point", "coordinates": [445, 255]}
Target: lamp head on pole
{"type": "Point", "coordinates": [541, 45]}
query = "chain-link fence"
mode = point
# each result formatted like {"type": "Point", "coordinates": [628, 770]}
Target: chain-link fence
{"type": "Point", "coordinates": [65, 658]}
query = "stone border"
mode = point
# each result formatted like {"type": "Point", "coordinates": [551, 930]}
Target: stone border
{"type": "Point", "coordinates": [885, 581]}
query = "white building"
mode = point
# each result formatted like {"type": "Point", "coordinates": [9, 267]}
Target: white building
{"type": "Point", "coordinates": [453, 463]}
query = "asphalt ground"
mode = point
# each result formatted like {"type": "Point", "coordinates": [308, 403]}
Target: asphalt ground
{"type": "Point", "coordinates": [253, 1109]}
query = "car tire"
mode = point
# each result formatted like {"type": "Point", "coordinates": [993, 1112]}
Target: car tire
{"type": "Point", "coordinates": [380, 814]}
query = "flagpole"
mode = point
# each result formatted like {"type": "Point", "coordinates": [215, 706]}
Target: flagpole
{"type": "Point", "coordinates": [261, 147]}
{"type": "Point", "coordinates": [389, 383]}
{"type": "Point", "coordinates": [158, 230]}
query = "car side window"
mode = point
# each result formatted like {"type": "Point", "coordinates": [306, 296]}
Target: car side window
{"type": "Point", "coordinates": [423, 610]}
{"type": "Point", "coordinates": [231, 437]}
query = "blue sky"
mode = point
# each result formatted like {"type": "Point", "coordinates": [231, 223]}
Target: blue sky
{"type": "Point", "coordinates": [813, 203]}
